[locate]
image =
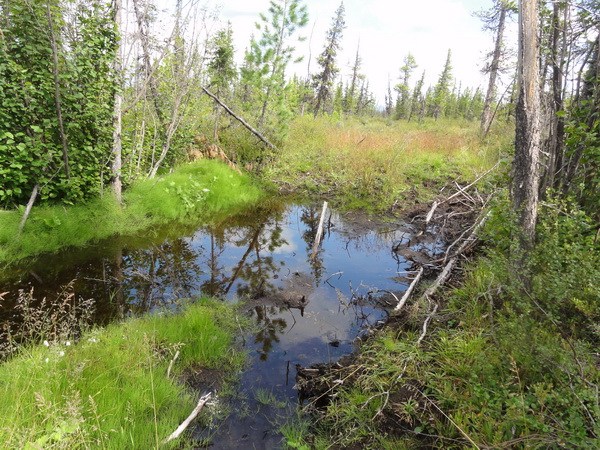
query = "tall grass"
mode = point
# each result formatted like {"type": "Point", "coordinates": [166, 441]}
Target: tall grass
{"type": "Point", "coordinates": [200, 191]}
{"type": "Point", "coordinates": [378, 162]}
{"type": "Point", "coordinates": [110, 390]}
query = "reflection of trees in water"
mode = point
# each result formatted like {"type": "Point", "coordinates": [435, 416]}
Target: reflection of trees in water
{"type": "Point", "coordinates": [161, 274]}
{"type": "Point", "coordinates": [270, 329]}
{"type": "Point", "coordinates": [310, 217]}
{"type": "Point", "coordinates": [214, 285]}
{"type": "Point", "coordinates": [256, 270]}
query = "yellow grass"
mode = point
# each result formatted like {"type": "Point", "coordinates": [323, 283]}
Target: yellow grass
{"type": "Point", "coordinates": [377, 163]}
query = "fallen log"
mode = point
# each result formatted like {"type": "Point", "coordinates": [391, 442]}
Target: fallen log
{"type": "Point", "coordinates": [238, 118]}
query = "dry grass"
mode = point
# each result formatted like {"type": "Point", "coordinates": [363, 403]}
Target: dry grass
{"type": "Point", "coordinates": [379, 163]}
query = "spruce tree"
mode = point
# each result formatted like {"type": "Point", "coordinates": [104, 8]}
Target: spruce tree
{"type": "Point", "coordinates": [323, 81]}
{"type": "Point", "coordinates": [441, 91]}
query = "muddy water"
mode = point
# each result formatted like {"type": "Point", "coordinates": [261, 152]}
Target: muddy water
{"type": "Point", "coordinates": [307, 310]}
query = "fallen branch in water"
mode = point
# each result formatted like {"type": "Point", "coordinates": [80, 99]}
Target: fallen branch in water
{"type": "Point", "coordinates": [407, 293]}
{"type": "Point", "coordinates": [181, 428]}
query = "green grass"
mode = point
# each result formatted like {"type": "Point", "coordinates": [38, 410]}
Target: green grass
{"type": "Point", "coordinates": [376, 163]}
{"type": "Point", "coordinates": [110, 390]}
{"type": "Point", "coordinates": [200, 191]}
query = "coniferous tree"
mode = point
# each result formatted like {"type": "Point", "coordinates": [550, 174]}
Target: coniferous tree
{"type": "Point", "coordinates": [417, 101]}
{"type": "Point", "coordinates": [352, 91]}
{"type": "Point", "coordinates": [270, 54]}
{"type": "Point", "coordinates": [323, 81]}
{"type": "Point", "coordinates": [441, 91]}
{"type": "Point", "coordinates": [221, 69]}
{"type": "Point", "coordinates": [403, 88]}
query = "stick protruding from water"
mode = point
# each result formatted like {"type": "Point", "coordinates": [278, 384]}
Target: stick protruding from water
{"type": "Point", "coordinates": [319, 235]}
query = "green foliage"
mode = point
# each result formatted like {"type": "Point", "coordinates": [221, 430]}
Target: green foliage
{"type": "Point", "coordinates": [30, 146]}
{"type": "Point", "coordinates": [204, 190]}
{"type": "Point", "coordinates": [111, 390]}
{"type": "Point", "coordinates": [323, 81]}
{"type": "Point", "coordinates": [403, 103]}
{"type": "Point", "coordinates": [441, 91]}
{"type": "Point", "coordinates": [266, 61]}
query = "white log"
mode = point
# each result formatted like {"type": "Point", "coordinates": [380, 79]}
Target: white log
{"type": "Point", "coordinates": [181, 428]}
{"type": "Point", "coordinates": [409, 291]}
{"type": "Point", "coordinates": [319, 231]}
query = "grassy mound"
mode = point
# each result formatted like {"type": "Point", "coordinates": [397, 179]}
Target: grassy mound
{"type": "Point", "coordinates": [110, 390]}
{"type": "Point", "coordinates": [203, 190]}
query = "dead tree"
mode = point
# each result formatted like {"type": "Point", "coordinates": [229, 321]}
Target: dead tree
{"type": "Point", "coordinates": [494, 68]}
{"type": "Point", "coordinates": [525, 170]}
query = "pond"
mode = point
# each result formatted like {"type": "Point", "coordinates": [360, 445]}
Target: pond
{"type": "Point", "coordinates": [307, 309]}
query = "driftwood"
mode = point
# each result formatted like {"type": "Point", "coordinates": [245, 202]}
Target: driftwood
{"type": "Point", "coordinates": [407, 293]}
{"type": "Point", "coordinates": [460, 191]}
{"type": "Point", "coordinates": [181, 428]}
{"type": "Point", "coordinates": [238, 118]}
{"type": "Point", "coordinates": [319, 231]}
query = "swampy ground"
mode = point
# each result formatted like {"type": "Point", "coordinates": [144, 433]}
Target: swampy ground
{"type": "Point", "coordinates": [97, 302]}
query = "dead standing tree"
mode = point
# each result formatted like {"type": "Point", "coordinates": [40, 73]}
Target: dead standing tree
{"type": "Point", "coordinates": [525, 170]}
{"type": "Point", "coordinates": [495, 21]}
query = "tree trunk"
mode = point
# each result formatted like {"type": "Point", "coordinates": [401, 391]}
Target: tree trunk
{"type": "Point", "coordinates": [57, 96]}
{"type": "Point", "coordinates": [486, 115]}
{"type": "Point", "coordinates": [557, 126]}
{"type": "Point", "coordinates": [118, 107]}
{"type": "Point", "coordinates": [526, 178]}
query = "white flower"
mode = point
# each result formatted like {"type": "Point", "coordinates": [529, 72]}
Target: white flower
{"type": "Point", "coordinates": [205, 190]}
{"type": "Point", "coordinates": [93, 340]}
{"type": "Point", "coordinates": [68, 343]}
{"type": "Point", "coordinates": [46, 343]}
{"type": "Point", "coordinates": [47, 359]}
{"type": "Point", "coordinates": [61, 353]}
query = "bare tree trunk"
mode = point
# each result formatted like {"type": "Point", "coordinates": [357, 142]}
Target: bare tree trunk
{"type": "Point", "coordinates": [57, 96]}
{"type": "Point", "coordinates": [118, 107]}
{"type": "Point", "coordinates": [486, 115]}
{"type": "Point", "coordinates": [525, 184]}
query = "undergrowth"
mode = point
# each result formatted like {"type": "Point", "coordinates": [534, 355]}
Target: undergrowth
{"type": "Point", "coordinates": [377, 164]}
{"type": "Point", "coordinates": [111, 389]}
{"type": "Point", "coordinates": [199, 191]}
{"type": "Point", "coordinates": [501, 367]}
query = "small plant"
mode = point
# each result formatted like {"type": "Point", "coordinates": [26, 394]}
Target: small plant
{"type": "Point", "coordinates": [53, 321]}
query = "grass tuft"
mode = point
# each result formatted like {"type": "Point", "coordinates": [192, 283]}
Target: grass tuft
{"type": "Point", "coordinates": [110, 390]}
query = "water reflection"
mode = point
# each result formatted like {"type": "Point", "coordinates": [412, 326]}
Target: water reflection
{"type": "Point", "coordinates": [262, 257]}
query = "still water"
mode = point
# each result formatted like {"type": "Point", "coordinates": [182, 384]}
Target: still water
{"type": "Point", "coordinates": [307, 310]}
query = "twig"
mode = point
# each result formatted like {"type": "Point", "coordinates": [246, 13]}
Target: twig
{"type": "Point", "coordinates": [412, 286]}
{"type": "Point", "coordinates": [451, 421]}
{"type": "Point", "coordinates": [427, 320]}
{"type": "Point", "coordinates": [181, 428]}
{"type": "Point", "coordinates": [171, 364]}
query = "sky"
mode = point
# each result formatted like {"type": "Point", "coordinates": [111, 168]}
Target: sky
{"type": "Point", "coordinates": [387, 30]}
